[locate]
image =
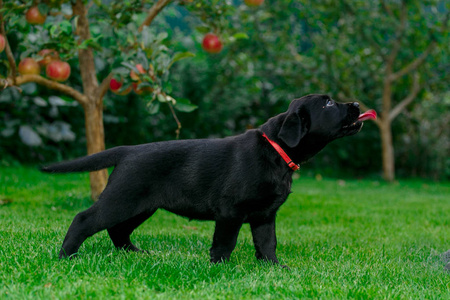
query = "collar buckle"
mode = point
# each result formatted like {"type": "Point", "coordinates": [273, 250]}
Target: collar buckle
{"type": "Point", "coordinates": [293, 166]}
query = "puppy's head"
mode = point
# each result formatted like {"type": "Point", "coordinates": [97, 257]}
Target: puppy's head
{"type": "Point", "coordinates": [320, 118]}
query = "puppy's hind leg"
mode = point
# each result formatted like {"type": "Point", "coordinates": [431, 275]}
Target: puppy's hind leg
{"type": "Point", "coordinates": [120, 233]}
{"type": "Point", "coordinates": [84, 225]}
{"type": "Point", "coordinates": [107, 212]}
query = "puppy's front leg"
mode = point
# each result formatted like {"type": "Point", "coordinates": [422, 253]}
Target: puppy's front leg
{"type": "Point", "coordinates": [264, 238]}
{"type": "Point", "coordinates": [224, 240]}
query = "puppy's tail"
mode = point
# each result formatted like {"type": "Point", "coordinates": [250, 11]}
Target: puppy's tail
{"type": "Point", "coordinates": [89, 163]}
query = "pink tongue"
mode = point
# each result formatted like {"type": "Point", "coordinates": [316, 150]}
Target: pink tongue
{"type": "Point", "coordinates": [368, 115]}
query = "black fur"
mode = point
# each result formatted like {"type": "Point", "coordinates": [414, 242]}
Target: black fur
{"type": "Point", "coordinates": [231, 181]}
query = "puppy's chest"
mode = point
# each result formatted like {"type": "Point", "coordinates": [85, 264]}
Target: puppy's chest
{"type": "Point", "coordinates": [268, 196]}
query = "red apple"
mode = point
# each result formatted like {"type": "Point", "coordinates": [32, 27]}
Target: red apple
{"type": "Point", "coordinates": [29, 66]}
{"type": "Point", "coordinates": [48, 55]}
{"type": "Point", "coordinates": [34, 16]}
{"type": "Point", "coordinates": [115, 86]}
{"type": "Point", "coordinates": [2, 43]}
{"type": "Point", "coordinates": [211, 43]}
{"type": "Point", "coordinates": [58, 70]}
{"type": "Point", "coordinates": [253, 2]}
{"type": "Point", "coordinates": [133, 74]}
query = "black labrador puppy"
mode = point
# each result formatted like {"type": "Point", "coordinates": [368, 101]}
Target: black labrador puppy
{"type": "Point", "coordinates": [235, 180]}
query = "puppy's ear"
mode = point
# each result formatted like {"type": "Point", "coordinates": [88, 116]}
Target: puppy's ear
{"type": "Point", "coordinates": [292, 130]}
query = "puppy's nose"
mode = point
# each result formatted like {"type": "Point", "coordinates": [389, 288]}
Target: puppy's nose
{"type": "Point", "coordinates": [356, 104]}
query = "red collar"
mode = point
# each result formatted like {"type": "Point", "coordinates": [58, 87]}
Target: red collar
{"type": "Point", "coordinates": [283, 154]}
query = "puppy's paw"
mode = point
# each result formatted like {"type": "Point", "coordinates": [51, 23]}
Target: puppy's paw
{"type": "Point", "coordinates": [218, 260]}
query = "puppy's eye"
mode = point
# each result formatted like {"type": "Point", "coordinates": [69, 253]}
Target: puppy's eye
{"type": "Point", "coordinates": [330, 102]}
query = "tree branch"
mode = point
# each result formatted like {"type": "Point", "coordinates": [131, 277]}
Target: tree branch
{"type": "Point", "coordinates": [176, 120]}
{"type": "Point", "coordinates": [414, 64]}
{"type": "Point", "coordinates": [79, 97]}
{"type": "Point", "coordinates": [153, 12]}
{"type": "Point", "coordinates": [9, 54]}
{"type": "Point", "coordinates": [419, 60]}
{"type": "Point", "coordinates": [415, 89]}
{"type": "Point", "coordinates": [398, 35]}
{"type": "Point", "coordinates": [103, 88]}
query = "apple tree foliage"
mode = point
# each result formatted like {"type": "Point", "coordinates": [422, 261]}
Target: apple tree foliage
{"type": "Point", "coordinates": [115, 37]}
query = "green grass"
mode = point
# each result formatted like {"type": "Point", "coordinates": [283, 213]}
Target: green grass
{"type": "Point", "coordinates": [355, 239]}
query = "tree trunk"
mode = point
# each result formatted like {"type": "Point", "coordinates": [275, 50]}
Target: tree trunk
{"type": "Point", "coordinates": [95, 138]}
{"type": "Point", "coordinates": [385, 126]}
{"type": "Point", "coordinates": [387, 150]}
{"type": "Point", "coordinates": [93, 109]}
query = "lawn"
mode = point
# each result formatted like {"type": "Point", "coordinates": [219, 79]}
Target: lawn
{"type": "Point", "coordinates": [360, 239]}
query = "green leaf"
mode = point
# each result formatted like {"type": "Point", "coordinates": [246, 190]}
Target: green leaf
{"type": "Point", "coordinates": [131, 67]}
{"type": "Point", "coordinates": [121, 72]}
{"type": "Point", "coordinates": [184, 105]}
{"type": "Point", "coordinates": [203, 29]}
{"type": "Point", "coordinates": [160, 37]}
{"type": "Point", "coordinates": [161, 98]}
{"type": "Point", "coordinates": [145, 84]}
{"type": "Point", "coordinates": [179, 56]}
{"type": "Point", "coordinates": [147, 37]}
{"type": "Point", "coordinates": [84, 44]}
{"type": "Point", "coordinates": [240, 36]}
{"type": "Point", "coordinates": [153, 107]}
{"type": "Point", "coordinates": [43, 9]}
{"type": "Point", "coordinates": [66, 27]}
{"type": "Point", "coordinates": [142, 59]}
{"type": "Point", "coordinates": [53, 30]}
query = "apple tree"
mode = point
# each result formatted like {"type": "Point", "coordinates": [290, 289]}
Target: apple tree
{"type": "Point", "coordinates": [382, 54]}
{"type": "Point", "coordinates": [64, 44]}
